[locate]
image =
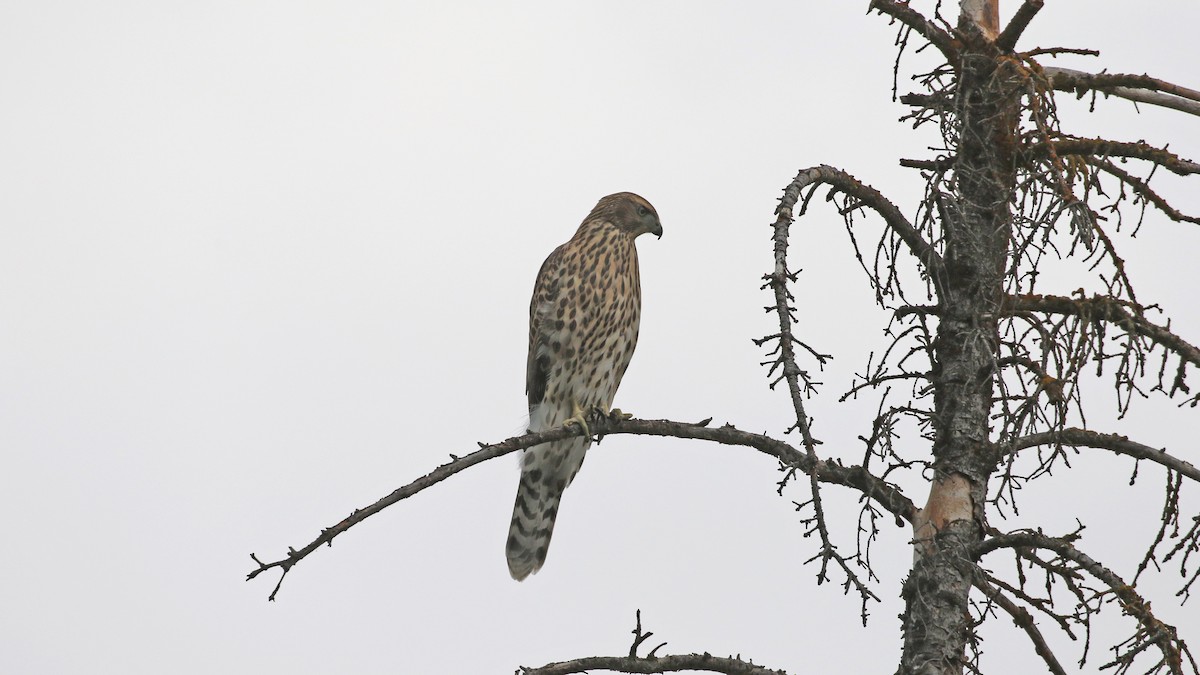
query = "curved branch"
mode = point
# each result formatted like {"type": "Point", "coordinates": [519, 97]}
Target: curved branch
{"type": "Point", "coordinates": [854, 477]}
{"type": "Point", "coordinates": [1121, 445]}
{"type": "Point", "coordinates": [653, 664]}
{"type": "Point", "coordinates": [869, 197]}
{"type": "Point", "coordinates": [1152, 630]}
{"type": "Point", "coordinates": [1105, 309]}
{"type": "Point", "coordinates": [778, 280]}
{"type": "Point", "coordinates": [863, 195]}
{"type": "Point", "coordinates": [900, 11]}
{"type": "Point", "coordinates": [1140, 88]}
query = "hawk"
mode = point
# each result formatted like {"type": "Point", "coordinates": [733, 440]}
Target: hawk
{"type": "Point", "coordinates": [583, 326]}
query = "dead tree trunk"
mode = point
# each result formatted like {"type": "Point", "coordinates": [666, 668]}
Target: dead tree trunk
{"type": "Point", "coordinates": [977, 226]}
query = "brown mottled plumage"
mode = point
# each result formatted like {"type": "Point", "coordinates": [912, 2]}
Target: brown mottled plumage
{"type": "Point", "coordinates": [583, 326]}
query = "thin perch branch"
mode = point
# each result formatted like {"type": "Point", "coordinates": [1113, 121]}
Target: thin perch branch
{"type": "Point", "coordinates": [855, 477]}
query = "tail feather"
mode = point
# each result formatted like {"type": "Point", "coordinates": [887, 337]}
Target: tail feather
{"type": "Point", "coordinates": [546, 472]}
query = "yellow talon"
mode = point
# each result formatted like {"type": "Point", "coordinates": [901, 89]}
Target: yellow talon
{"type": "Point", "coordinates": [617, 414]}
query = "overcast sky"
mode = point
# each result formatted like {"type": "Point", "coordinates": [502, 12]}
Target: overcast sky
{"type": "Point", "coordinates": [263, 262]}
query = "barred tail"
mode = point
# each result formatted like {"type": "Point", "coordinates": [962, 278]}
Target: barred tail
{"type": "Point", "coordinates": [546, 471]}
{"type": "Point", "coordinates": [532, 525]}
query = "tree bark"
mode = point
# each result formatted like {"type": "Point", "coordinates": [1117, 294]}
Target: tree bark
{"type": "Point", "coordinates": [937, 625]}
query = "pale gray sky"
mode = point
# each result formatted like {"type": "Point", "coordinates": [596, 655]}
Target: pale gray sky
{"type": "Point", "coordinates": [263, 262]}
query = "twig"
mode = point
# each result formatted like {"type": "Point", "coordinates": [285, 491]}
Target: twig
{"type": "Point", "coordinates": [640, 636]}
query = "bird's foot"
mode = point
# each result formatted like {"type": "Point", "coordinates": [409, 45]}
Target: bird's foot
{"type": "Point", "coordinates": [617, 415]}
{"type": "Point", "coordinates": [578, 418]}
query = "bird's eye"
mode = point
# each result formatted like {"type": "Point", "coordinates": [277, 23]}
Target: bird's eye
{"type": "Point", "coordinates": [641, 210]}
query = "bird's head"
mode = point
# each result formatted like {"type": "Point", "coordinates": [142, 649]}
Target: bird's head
{"type": "Point", "coordinates": [630, 213]}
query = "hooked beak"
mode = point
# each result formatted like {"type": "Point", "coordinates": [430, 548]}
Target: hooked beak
{"type": "Point", "coordinates": [657, 231]}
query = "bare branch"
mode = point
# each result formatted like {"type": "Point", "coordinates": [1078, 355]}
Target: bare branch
{"type": "Point", "coordinates": [900, 11]}
{"type": "Point", "coordinates": [430, 479]}
{"type": "Point", "coordinates": [1090, 148]}
{"type": "Point", "coordinates": [1058, 51]}
{"type": "Point", "coordinates": [940, 164]}
{"type": "Point", "coordinates": [855, 477]}
{"type": "Point", "coordinates": [1020, 21]}
{"type": "Point", "coordinates": [1142, 189]}
{"type": "Point", "coordinates": [1140, 88]}
{"type": "Point", "coordinates": [1100, 308]}
{"type": "Point", "coordinates": [1121, 445]}
{"type": "Point", "coordinates": [1100, 147]}
{"type": "Point", "coordinates": [1152, 631]}
{"type": "Point", "coordinates": [1023, 620]}
{"type": "Point", "coordinates": [778, 280]}
{"type": "Point", "coordinates": [651, 663]}
{"type": "Point", "coordinates": [657, 664]}
{"type": "Point", "coordinates": [869, 197]}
